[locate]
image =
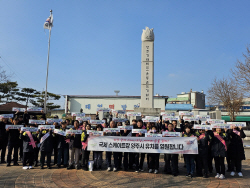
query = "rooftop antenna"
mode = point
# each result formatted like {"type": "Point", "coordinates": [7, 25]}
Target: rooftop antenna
{"type": "Point", "coordinates": [117, 91]}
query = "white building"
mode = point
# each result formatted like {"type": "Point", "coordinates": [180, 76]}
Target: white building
{"type": "Point", "coordinates": [90, 103]}
{"type": "Point", "coordinates": [195, 98]}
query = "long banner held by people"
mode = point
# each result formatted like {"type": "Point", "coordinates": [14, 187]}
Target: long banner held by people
{"type": "Point", "coordinates": [173, 145]}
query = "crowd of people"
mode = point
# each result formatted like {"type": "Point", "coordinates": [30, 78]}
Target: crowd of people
{"type": "Point", "coordinates": [71, 151]}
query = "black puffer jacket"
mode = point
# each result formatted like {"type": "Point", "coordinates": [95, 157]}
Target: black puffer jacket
{"type": "Point", "coordinates": [75, 141]}
{"type": "Point", "coordinates": [203, 143]}
{"type": "Point", "coordinates": [13, 135]}
{"type": "Point", "coordinates": [235, 148]}
{"type": "Point", "coordinates": [61, 140]}
{"type": "Point", "coordinates": [47, 144]}
{"type": "Point", "coordinates": [27, 147]}
{"type": "Point", "coordinates": [218, 149]}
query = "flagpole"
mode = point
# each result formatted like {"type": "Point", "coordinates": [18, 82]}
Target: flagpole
{"type": "Point", "coordinates": [45, 98]}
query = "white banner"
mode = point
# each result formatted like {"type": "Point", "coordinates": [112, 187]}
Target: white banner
{"type": "Point", "coordinates": [237, 124]}
{"type": "Point", "coordinates": [46, 127]}
{"type": "Point", "coordinates": [30, 129]}
{"type": "Point", "coordinates": [60, 132]}
{"type": "Point", "coordinates": [129, 127]}
{"type": "Point", "coordinates": [149, 120]}
{"type": "Point", "coordinates": [221, 126]}
{"type": "Point", "coordinates": [133, 113]}
{"type": "Point", "coordinates": [97, 121]}
{"type": "Point", "coordinates": [95, 133]}
{"type": "Point", "coordinates": [190, 119]}
{"type": "Point", "coordinates": [119, 119]}
{"type": "Point", "coordinates": [208, 127]}
{"type": "Point", "coordinates": [33, 121]}
{"type": "Point", "coordinates": [171, 145]}
{"type": "Point", "coordinates": [18, 109]}
{"type": "Point", "coordinates": [111, 130]}
{"type": "Point", "coordinates": [170, 118]}
{"type": "Point", "coordinates": [77, 114]}
{"type": "Point", "coordinates": [215, 121]}
{"type": "Point", "coordinates": [73, 131]}
{"type": "Point", "coordinates": [34, 109]}
{"type": "Point", "coordinates": [51, 120]}
{"type": "Point", "coordinates": [143, 131]}
{"type": "Point", "coordinates": [171, 134]}
{"type": "Point", "coordinates": [167, 114]}
{"type": "Point", "coordinates": [153, 135]}
{"type": "Point", "coordinates": [13, 126]}
{"type": "Point", "coordinates": [83, 118]}
{"type": "Point", "coordinates": [103, 109]}
{"type": "Point", "coordinates": [185, 113]}
{"type": "Point", "coordinates": [6, 115]}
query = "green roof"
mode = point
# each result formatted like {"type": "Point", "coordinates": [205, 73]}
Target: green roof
{"type": "Point", "coordinates": [238, 118]}
{"type": "Point", "coordinates": [178, 99]}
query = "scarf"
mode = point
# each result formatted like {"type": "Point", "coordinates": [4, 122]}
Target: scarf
{"type": "Point", "coordinates": [220, 139]}
{"type": "Point", "coordinates": [32, 142]}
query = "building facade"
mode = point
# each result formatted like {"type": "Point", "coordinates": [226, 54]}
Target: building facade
{"type": "Point", "coordinates": [90, 103]}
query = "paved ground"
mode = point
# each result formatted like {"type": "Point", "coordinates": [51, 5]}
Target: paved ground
{"type": "Point", "coordinates": [15, 176]}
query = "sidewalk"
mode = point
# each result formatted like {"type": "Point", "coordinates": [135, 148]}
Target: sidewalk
{"type": "Point", "coordinates": [15, 176]}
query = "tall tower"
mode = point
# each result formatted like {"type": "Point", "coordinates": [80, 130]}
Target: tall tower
{"type": "Point", "coordinates": [147, 68]}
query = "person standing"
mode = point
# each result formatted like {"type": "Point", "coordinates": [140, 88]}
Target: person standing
{"type": "Point", "coordinates": [236, 149]}
{"type": "Point", "coordinates": [75, 147]}
{"type": "Point", "coordinates": [13, 143]}
{"type": "Point", "coordinates": [219, 151]}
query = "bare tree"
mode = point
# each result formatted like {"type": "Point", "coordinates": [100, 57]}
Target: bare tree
{"type": "Point", "coordinates": [241, 72]}
{"type": "Point", "coordinates": [227, 93]}
{"type": "Point", "coordinates": [3, 76]}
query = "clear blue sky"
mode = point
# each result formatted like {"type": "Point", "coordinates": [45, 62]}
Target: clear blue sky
{"type": "Point", "coordinates": [96, 45]}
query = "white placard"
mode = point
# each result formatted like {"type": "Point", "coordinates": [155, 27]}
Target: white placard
{"type": "Point", "coordinates": [46, 127]}
{"type": "Point", "coordinates": [13, 126]}
{"type": "Point", "coordinates": [171, 134]}
{"type": "Point", "coordinates": [185, 113]}
{"type": "Point", "coordinates": [103, 109]}
{"type": "Point", "coordinates": [70, 126]}
{"type": "Point", "coordinates": [133, 113]}
{"type": "Point", "coordinates": [73, 131]}
{"type": "Point", "coordinates": [6, 115]}
{"type": "Point", "coordinates": [51, 120]}
{"type": "Point", "coordinates": [152, 135]}
{"type": "Point", "coordinates": [83, 118]}
{"type": "Point", "coordinates": [34, 109]}
{"type": "Point", "coordinates": [220, 126]}
{"type": "Point", "coordinates": [170, 118]}
{"type": "Point", "coordinates": [111, 130]}
{"type": "Point", "coordinates": [237, 124]}
{"type": "Point", "coordinates": [129, 127]}
{"type": "Point", "coordinates": [143, 131]}
{"type": "Point", "coordinates": [203, 117]}
{"type": "Point", "coordinates": [149, 120]}
{"type": "Point", "coordinates": [31, 129]}
{"type": "Point", "coordinates": [190, 119]}
{"type": "Point", "coordinates": [95, 133]}
{"type": "Point", "coordinates": [77, 114]}
{"type": "Point", "coordinates": [97, 121]}
{"type": "Point", "coordinates": [18, 109]}
{"type": "Point", "coordinates": [34, 121]}
{"type": "Point", "coordinates": [167, 114]}
{"type": "Point", "coordinates": [60, 132]}
{"type": "Point", "coordinates": [119, 119]}
{"type": "Point", "coordinates": [215, 121]}
{"type": "Point", "coordinates": [179, 145]}
{"type": "Point", "coordinates": [119, 111]}
{"type": "Point", "coordinates": [203, 127]}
